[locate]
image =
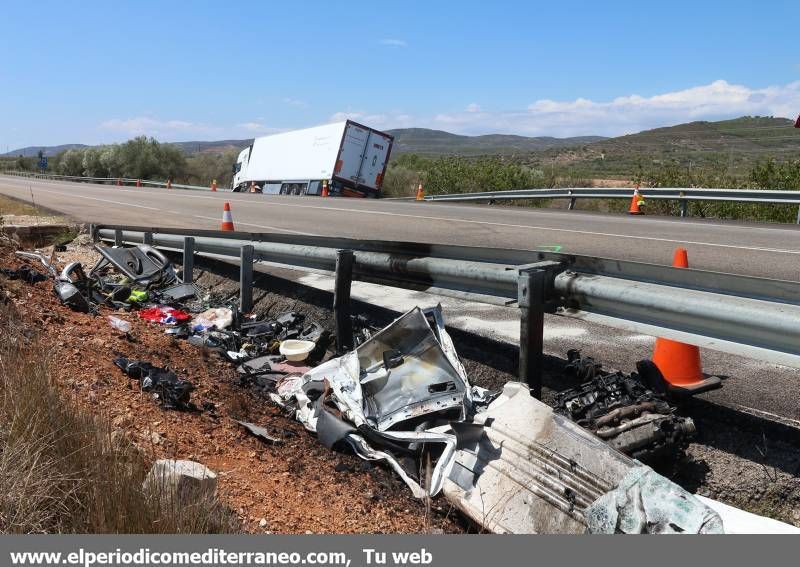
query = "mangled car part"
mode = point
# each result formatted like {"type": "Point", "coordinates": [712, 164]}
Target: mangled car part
{"type": "Point", "coordinates": [405, 372]}
{"type": "Point", "coordinates": [260, 432]}
{"type": "Point", "coordinates": [166, 387]}
{"type": "Point", "coordinates": [382, 398]}
{"type": "Point", "coordinates": [142, 265]}
{"type": "Point", "coordinates": [179, 292]}
{"type": "Point", "coordinates": [622, 410]}
{"type": "Point", "coordinates": [521, 468]}
{"type": "Point", "coordinates": [72, 288]}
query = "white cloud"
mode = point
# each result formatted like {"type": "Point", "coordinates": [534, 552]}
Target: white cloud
{"type": "Point", "coordinates": [622, 115]}
{"type": "Point", "coordinates": [295, 102]}
{"type": "Point", "coordinates": [150, 126]}
{"type": "Point", "coordinates": [392, 42]}
{"type": "Point", "coordinates": [254, 127]}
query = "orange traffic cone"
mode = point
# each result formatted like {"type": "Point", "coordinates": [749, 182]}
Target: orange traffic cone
{"type": "Point", "coordinates": [214, 185]}
{"type": "Point", "coordinates": [325, 192]}
{"type": "Point", "coordinates": [679, 363]}
{"type": "Point", "coordinates": [636, 200]}
{"type": "Point", "coordinates": [227, 218]}
{"type": "Point", "coordinates": [138, 182]}
{"type": "Point", "coordinates": [420, 193]}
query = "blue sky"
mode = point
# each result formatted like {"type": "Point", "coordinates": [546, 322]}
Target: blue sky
{"type": "Point", "coordinates": [93, 72]}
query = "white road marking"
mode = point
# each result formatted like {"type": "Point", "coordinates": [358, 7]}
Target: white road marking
{"type": "Point", "coordinates": [261, 226]}
{"type": "Point", "coordinates": [466, 221]}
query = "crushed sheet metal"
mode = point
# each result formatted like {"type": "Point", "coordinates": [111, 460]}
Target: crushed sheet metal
{"type": "Point", "coordinates": [260, 432]}
{"type": "Point", "coordinates": [426, 381]}
{"type": "Point", "coordinates": [427, 363]}
{"type": "Point", "coordinates": [532, 471]}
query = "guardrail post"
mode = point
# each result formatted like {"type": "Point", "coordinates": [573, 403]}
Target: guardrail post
{"type": "Point", "coordinates": [798, 215]}
{"type": "Point", "coordinates": [246, 278]}
{"type": "Point", "coordinates": [341, 300]}
{"type": "Point", "coordinates": [117, 237]}
{"type": "Point", "coordinates": [147, 238]}
{"type": "Point", "coordinates": [93, 234]}
{"type": "Point", "coordinates": [188, 259]}
{"type": "Point", "coordinates": [684, 206]}
{"type": "Point", "coordinates": [571, 202]}
{"type": "Point", "coordinates": [534, 290]}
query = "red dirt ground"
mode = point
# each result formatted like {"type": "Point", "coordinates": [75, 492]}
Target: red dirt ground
{"type": "Point", "coordinates": [294, 486]}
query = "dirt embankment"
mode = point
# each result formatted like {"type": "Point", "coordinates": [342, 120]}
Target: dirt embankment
{"type": "Point", "coordinates": [299, 485]}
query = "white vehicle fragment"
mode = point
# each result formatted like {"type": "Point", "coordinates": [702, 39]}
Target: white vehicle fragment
{"type": "Point", "coordinates": [533, 471]}
{"type": "Point", "coordinates": [373, 394]}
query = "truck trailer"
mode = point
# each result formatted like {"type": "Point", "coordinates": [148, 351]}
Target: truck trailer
{"type": "Point", "coordinates": [351, 156]}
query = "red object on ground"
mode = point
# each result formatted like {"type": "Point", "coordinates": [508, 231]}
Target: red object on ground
{"type": "Point", "coordinates": [164, 314]}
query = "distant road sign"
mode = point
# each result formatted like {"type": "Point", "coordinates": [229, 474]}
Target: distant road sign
{"type": "Point", "coordinates": [43, 163]}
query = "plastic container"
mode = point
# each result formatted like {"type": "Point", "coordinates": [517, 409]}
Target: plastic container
{"type": "Point", "coordinates": [119, 324]}
{"type": "Point", "coordinates": [295, 350]}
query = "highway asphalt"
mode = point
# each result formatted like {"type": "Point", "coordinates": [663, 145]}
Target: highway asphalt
{"type": "Point", "coordinates": [746, 248]}
{"type": "Point", "coordinates": [754, 249]}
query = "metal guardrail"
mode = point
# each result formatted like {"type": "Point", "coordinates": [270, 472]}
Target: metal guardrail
{"type": "Point", "coordinates": [104, 180]}
{"type": "Point", "coordinates": [684, 195]}
{"type": "Point", "coordinates": [750, 316]}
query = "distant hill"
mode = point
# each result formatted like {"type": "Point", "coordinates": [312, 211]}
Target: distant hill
{"type": "Point", "coordinates": [437, 142]}
{"type": "Point", "coordinates": [188, 147]}
{"type": "Point", "coordinates": [736, 143]}
{"type": "Point", "coordinates": [49, 151]}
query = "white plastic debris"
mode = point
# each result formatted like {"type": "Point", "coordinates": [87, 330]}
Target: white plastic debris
{"type": "Point", "coordinates": [216, 317]}
{"type": "Point", "coordinates": [295, 350]}
{"type": "Point", "coordinates": [738, 521]}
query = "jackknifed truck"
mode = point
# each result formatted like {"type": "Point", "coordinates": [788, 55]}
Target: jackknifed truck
{"type": "Point", "coordinates": [351, 157]}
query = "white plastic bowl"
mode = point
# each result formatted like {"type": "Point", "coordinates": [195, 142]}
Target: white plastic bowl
{"type": "Point", "coordinates": [295, 351]}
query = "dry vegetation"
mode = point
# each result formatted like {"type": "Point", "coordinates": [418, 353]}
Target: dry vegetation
{"type": "Point", "coordinates": [63, 470]}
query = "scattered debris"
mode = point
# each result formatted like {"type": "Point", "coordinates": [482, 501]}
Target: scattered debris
{"type": "Point", "coordinates": [25, 273]}
{"type": "Point", "coordinates": [171, 392]}
{"type": "Point", "coordinates": [402, 396]}
{"type": "Point", "coordinates": [165, 315]}
{"type": "Point", "coordinates": [623, 411]}
{"type": "Point", "coordinates": [216, 318]}
{"type": "Point", "coordinates": [119, 324]}
{"type": "Point", "coordinates": [260, 432]}
{"type": "Point", "coordinates": [383, 399]}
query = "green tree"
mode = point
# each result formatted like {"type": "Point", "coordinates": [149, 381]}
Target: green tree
{"type": "Point", "coordinates": [70, 162]}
